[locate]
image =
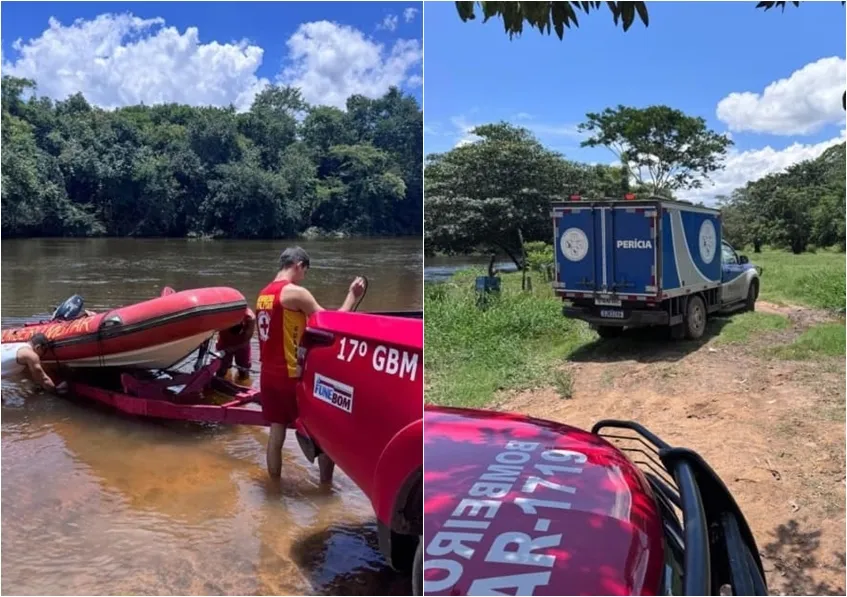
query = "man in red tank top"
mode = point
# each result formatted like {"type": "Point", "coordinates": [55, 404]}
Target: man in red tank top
{"type": "Point", "coordinates": [281, 313]}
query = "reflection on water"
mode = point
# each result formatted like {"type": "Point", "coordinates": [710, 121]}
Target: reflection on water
{"type": "Point", "coordinates": [97, 503]}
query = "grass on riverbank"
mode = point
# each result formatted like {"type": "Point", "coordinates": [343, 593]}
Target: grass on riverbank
{"type": "Point", "coordinates": [810, 279]}
{"type": "Point", "coordinates": [471, 353]}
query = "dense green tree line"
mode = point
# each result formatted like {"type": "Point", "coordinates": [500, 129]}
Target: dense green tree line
{"type": "Point", "coordinates": [802, 206]}
{"type": "Point", "coordinates": [281, 169]}
{"type": "Point", "coordinates": [494, 194]}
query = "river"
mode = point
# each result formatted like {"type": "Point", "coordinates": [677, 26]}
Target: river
{"type": "Point", "coordinates": [97, 503]}
{"type": "Point", "coordinates": [438, 268]}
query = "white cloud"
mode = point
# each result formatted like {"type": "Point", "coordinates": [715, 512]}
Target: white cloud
{"type": "Point", "coordinates": [117, 60]}
{"type": "Point", "coordinates": [743, 166]}
{"type": "Point", "coordinates": [389, 23]}
{"type": "Point", "coordinates": [409, 14]}
{"type": "Point", "coordinates": [803, 103]}
{"type": "Point", "coordinates": [331, 62]}
{"type": "Point", "coordinates": [464, 129]}
{"type": "Point", "coordinates": [554, 130]}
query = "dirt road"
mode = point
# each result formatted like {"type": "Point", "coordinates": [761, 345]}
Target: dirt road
{"type": "Point", "coordinates": [774, 430]}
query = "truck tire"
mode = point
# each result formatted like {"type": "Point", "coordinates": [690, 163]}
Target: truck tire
{"type": "Point", "coordinates": [695, 318]}
{"type": "Point", "coordinates": [609, 331]}
{"type": "Point", "coordinates": [752, 295]}
{"type": "Point", "coordinates": [417, 569]}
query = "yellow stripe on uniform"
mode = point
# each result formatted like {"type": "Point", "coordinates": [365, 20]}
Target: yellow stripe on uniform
{"type": "Point", "coordinates": [294, 323]}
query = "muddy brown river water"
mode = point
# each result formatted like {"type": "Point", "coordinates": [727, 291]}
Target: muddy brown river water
{"type": "Point", "coordinates": [97, 503]}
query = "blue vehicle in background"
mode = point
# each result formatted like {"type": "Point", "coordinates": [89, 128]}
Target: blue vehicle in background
{"type": "Point", "coordinates": [655, 262]}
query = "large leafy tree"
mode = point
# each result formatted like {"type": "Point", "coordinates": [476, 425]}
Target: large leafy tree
{"type": "Point", "coordinates": [280, 169]}
{"type": "Point", "coordinates": [661, 147]}
{"type": "Point", "coordinates": [495, 192]}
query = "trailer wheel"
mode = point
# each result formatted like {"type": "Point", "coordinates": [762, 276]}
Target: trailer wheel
{"type": "Point", "coordinates": [752, 295]}
{"type": "Point", "coordinates": [695, 318]}
{"type": "Point", "coordinates": [417, 570]}
{"type": "Point", "coordinates": [609, 331]}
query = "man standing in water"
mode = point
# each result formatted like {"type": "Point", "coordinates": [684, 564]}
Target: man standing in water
{"type": "Point", "coordinates": [281, 312]}
{"type": "Point", "coordinates": [20, 357]}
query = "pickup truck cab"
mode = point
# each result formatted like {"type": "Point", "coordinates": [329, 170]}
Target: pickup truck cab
{"type": "Point", "coordinates": [360, 399]}
{"type": "Point", "coordinates": [653, 262]}
{"type": "Point", "coordinates": [520, 506]}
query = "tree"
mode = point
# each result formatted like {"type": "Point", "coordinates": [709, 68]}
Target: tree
{"type": "Point", "coordinates": [494, 192]}
{"type": "Point", "coordinates": [72, 169]}
{"type": "Point", "coordinates": [674, 149]}
{"type": "Point", "coordinates": [792, 209]}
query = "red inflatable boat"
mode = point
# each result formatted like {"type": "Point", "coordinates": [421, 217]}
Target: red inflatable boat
{"type": "Point", "coordinates": [154, 334]}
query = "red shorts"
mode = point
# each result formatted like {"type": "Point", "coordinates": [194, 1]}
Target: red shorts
{"type": "Point", "coordinates": [279, 398]}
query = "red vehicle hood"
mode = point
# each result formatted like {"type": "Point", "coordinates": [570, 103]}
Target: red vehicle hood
{"type": "Point", "coordinates": [514, 505]}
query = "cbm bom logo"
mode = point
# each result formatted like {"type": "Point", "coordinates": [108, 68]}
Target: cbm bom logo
{"type": "Point", "coordinates": [334, 392]}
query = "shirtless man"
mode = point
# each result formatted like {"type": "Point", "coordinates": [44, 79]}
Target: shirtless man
{"type": "Point", "coordinates": [25, 357]}
{"type": "Point", "coordinates": [281, 313]}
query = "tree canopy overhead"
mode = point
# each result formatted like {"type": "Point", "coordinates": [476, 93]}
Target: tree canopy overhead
{"type": "Point", "coordinates": [551, 16]}
{"type": "Point", "coordinates": [675, 150]}
{"type": "Point", "coordinates": [282, 168]}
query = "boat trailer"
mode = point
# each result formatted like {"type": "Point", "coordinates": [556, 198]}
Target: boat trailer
{"type": "Point", "coordinates": [175, 394]}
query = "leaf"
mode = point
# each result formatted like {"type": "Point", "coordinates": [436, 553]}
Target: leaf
{"type": "Point", "coordinates": [628, 12]}
{"type": "Point", "coordinates": [642, 13]}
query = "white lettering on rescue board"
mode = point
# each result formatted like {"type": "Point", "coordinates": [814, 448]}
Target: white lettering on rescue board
{"type": "Point", "coordinates": [454, 545]}
{"type": "Point", "coordinates": [392, 361]}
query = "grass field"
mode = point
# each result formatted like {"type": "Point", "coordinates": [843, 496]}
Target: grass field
{"type": "Point", "coordinates": [471, 352]}
{"type": "Point", "coordinates": [810, 279]}
{"type": "Point", "coordinates": [518, 341]}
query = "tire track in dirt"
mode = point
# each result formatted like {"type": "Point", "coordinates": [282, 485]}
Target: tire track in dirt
{"type": "Point", "coordinates": [773, 430]}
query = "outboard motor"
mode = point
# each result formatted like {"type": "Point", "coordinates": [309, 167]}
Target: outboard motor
{"type": "Point", "coordinates": [71, 309]}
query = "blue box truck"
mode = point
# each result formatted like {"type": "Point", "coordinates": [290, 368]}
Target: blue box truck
{"type": "Point", "coordinates": [655, 262]}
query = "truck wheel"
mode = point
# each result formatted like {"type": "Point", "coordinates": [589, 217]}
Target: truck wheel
{"type": "Point", "coordinates": [417, 570]}
{"type": "Point", "coordinates": [752, 295]}
{"type": "Point", "coordinates": [695, 318]}
{"type": "Point", "coordinates": [609, 331]}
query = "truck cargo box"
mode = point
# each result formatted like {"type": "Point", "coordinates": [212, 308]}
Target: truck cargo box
{"type": "Point", "coordinates": [646, 250]}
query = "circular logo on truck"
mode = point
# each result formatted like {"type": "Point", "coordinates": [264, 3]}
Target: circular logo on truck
{"type": "Point", "coordinates": [708, 241]}
{"type": "Point", "coordinates": [574, 244]}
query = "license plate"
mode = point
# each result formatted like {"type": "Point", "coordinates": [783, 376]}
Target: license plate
{"type": "Point", "coordinates": [611, 313]}
{"type": "Point", "coordinates": [607, 301]}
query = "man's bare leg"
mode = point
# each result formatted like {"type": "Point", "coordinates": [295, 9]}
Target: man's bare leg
{"type": "Point", "coordinates": [326, 468]}
{"type": "Point", "coordinates": [274, 454]}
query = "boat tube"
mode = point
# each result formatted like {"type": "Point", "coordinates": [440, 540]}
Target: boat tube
{"type": "Point", "coordinates": [154, 334]}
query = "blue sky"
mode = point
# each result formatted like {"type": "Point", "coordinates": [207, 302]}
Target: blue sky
{"type": "Point", "coordinates": [360, 47]}
{"type": "Point", "coordinates": [692, 56]}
